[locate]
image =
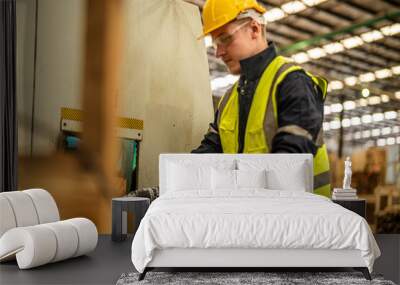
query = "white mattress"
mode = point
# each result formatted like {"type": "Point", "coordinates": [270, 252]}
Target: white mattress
{"type": "Point", "coordinates": [252, 218]}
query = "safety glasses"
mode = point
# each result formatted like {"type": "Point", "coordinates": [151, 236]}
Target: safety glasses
{"type": "Point", "coordinates": [226, 39]}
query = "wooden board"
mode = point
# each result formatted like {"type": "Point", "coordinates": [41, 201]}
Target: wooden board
{"type": "Point", "coordinates": [75, 190]}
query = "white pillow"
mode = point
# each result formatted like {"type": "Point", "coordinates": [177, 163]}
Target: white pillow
{"type": "Point", "coordinates": [223, 179]}
{"type": "Point", "coordinates": [251, 178]}
{"type": "Point", "coordinates": [200, 160]}
{"type": "Point", "coordinates": [285, 174]}
{"type": "Point", "coordinates": [181, 177]}
{"type": "Point", "coordinates": [293, 180]}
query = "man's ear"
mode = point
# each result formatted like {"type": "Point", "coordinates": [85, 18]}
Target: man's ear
{"type": "Point", "coordinates": [255, 29]}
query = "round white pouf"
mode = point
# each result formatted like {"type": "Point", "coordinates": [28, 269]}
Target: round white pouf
{"type": "Point", "coordinates": [40, 244]}
{"type": "Point", "coordinates": [7, 216]}
{"type": "Point", "coordinates": [23, 208]}
{"type": "Point", "coordinates": [45, 205]}
{"type": "Point", "coordinates": [87, 233]}
{"type": "Point", "coordinates": [67, 240]}
{"type": "Point", "coordinates": [33, 246]}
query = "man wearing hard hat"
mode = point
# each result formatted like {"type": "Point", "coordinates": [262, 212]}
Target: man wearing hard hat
{"type": "Point", "coordinates": [275, 106]}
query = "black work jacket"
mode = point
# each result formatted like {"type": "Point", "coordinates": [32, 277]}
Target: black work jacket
{"type": "Point", "coordinates": [298, 103]}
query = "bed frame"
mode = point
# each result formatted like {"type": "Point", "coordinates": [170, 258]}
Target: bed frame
{"type": "Point", "coordinates": [248, 259]}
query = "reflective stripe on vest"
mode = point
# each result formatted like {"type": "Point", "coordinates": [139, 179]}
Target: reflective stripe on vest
{"type": "Point", "coordinates": [262, 122]}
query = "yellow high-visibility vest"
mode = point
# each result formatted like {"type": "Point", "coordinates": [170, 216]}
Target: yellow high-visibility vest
{"type": "Point", "coordinates": [262, 122]}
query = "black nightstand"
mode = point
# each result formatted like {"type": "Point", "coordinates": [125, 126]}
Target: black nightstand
{"type": "Point", "coordinates": [357, 206]}
{"type": "Point", "coordinates": [120, 208]}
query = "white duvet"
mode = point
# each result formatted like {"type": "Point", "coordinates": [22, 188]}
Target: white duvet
{"type": "Point", "coordinates": [250, 219]}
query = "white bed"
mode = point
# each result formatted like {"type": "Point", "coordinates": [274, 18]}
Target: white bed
{"type": "Point", "coordinates": [215, 224]}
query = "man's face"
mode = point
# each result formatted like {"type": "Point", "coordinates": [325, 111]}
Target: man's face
{"type": "Point", "coordinates": [233, 43]}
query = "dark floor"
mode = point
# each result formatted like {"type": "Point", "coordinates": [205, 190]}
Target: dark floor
{"type": "Point", "coordinates": [110, 260]}
{"type": "Point", "coordinates": [389, 262]}
{"type": "Point", "coordinates": [103, 266]}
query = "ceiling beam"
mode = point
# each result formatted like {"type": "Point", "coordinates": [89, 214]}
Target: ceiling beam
{"type": "Point", "coordinates": [301, 45]}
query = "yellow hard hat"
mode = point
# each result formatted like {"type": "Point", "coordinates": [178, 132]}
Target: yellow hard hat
{"type": "Point", "coordinates": [217, 13]}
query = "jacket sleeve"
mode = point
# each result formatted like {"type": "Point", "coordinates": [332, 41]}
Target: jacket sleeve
{"type": "Point", "coordinates": [300, 107]}
{"type": "Point", "coordinates": [211, 142]}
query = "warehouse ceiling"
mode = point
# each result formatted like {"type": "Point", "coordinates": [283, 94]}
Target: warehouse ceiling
{"type": "Point", "coordinates": [355, 44]}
